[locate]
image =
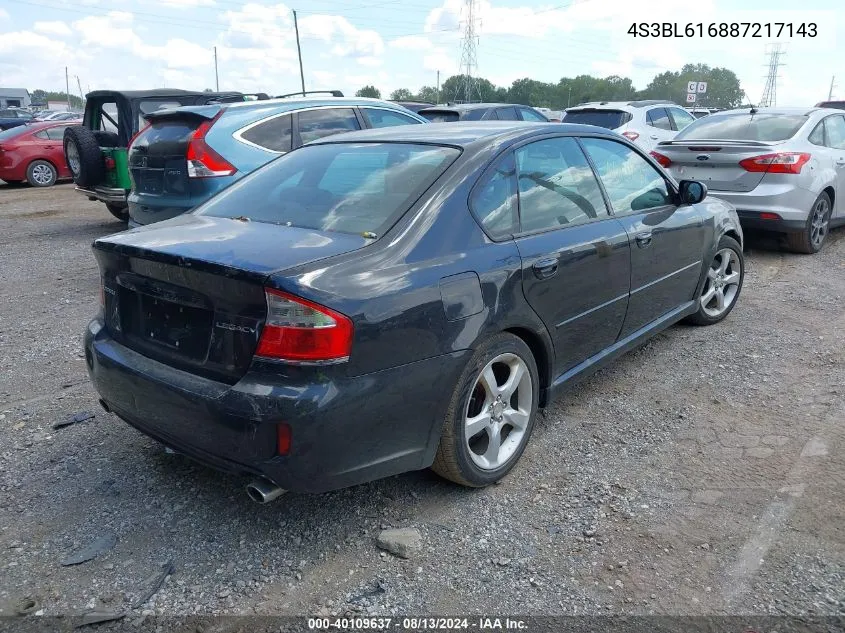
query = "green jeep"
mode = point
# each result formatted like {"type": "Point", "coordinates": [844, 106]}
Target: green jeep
{"type": "Point", "coordinates": [96, 150]}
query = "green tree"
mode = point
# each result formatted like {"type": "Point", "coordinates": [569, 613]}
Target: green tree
{"type": "Point", "coordinates": [369, 91]}
{"type": "Point", "coordinates": [43, 96]}
{"type": "Point", "coordinates": [453, 89]}
{"type": "Point", "coordinates": [723, 89]}
{"type": "Point", "coordinates": [401, 94]}
{"type": "Point", "coordinates": [427, 94]}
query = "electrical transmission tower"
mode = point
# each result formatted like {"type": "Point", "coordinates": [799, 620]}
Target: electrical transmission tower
{"type": "Point", "coordinates": [770, 94]}
{"type": "Point", "coordinates": [468, 89]}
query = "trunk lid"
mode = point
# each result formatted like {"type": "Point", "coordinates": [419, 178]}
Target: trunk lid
{"type": "Point", "coordinates": [157, 156]}
{"type": "Point", "coordinates": [716, 163]}
{"type": "Point", "coordinates": [189, 292]}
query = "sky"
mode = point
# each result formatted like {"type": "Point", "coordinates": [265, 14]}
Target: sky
{"type": "Point", "coordinates": [135, 44]}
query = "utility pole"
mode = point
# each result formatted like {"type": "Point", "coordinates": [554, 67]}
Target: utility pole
{"type": "Point", "coordinates": [437, 94]}
{"type": "Point", "coordinates": [569, 98]}
{"type": "Point", "coordinates": [830, 92]}
{"type": "Point", "coordinates": [469, 57]}
{"type": "Point", "coordinates": [67, 89]}
{"type": "Point", "coordinates": [770, 97]}
{"type": "Point", "coordinates": [81, 96]}
{"type": "Point", "coordinates": [299, 53]}
{"type": "Point", "coordinates": [216, 76]}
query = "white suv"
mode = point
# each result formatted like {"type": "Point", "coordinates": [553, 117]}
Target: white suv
{"type": "Point", "coordinates": [646, 123]}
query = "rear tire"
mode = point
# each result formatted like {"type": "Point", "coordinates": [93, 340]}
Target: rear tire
{"type": "Point", "coordinates": [84, 157]}
{"type": "Point", "coordinates": [812, 238]}
{"type": "Point", "coordinates": [41, 173]}
{"type": "Point", "coordinates": [491, 413]}
{"type": "Point", "coordinates": [119, 211]}
{"type": "Point", "coordinates": [722, 284]}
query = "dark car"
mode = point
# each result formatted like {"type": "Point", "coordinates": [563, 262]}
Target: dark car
{"type": "Point", "coordinates": [837, 105]}
{"type": "Point", "coordinates": [394, 299]}
{"type": "Point", "coordinates": [482, 112]}
{"type": "Point", "coordinates": [95, 150]}
{"type": "Point", "coordinates": [414, 106]}
{"type": "Point", "coordinates": [13, 117]}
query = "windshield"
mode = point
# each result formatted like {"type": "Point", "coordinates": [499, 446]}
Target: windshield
{"type": "Point", "coordinates": [359, 188]}
{"type": "Point", "coordinates": [610, 119]}
{"type": "Point", "coordinates": [744, 127]}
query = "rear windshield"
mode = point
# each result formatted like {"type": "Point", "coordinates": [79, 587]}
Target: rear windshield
{"type": "Point", "coordinates": [743, 127]}
{"type": "Point", "coordinates": [610, 119]}
{"type": "Point", "coordinates": [13, 132]}
{"type": "Point", "coordinates": [440, 116]}
{"type": "Point", "coordinates": [346, 187]}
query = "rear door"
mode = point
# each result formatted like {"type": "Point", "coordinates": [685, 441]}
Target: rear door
{"type": "Point", "coordinates": [666, 240]}
{"type": "Point", "coordinates": [829, 137]}
{"type": "Point", "coordinates": [575, 255]}
{"type": "Point", "coordinates": [658, 127]}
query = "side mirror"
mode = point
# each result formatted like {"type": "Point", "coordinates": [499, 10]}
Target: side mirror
{"type": "Point", "coordinates": [692, 191]}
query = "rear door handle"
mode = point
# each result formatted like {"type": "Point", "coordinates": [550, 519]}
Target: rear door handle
{"type": "Point", "coordinates": [841, 162]}
{"type": "Point", "coordinates": [644, 239]}
{"type": "Point", "coordinates": [545, 268]}
{"type": "Point", "coordinates": [654, 137]}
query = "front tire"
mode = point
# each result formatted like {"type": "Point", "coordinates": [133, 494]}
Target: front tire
{"type": "Point", "coordinates": [491, 413]}
{"type": "Point", "coordinates": [119, 211]}
{"type": "Point", "coordinates": [811, 239]}
{"type": "Point", "coordinates": [722, 284]}
{"type": "Point", "coordinates": [41, 173]}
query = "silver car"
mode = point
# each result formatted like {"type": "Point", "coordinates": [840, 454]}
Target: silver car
{"type": "Point", "coordinates": [782, 168]}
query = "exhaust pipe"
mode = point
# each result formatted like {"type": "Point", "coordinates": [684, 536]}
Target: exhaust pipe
{"type": "Point", "coordinates": [264, 491]}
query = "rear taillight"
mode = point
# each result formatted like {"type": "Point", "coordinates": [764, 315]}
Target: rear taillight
{"type": "Point", "coordinates": [631, 135]}
{"type": "Point", "coordinates": [780, 163]}
{"type": "Point", "coordinates": [203, 161]}
{"type": "Point", "coordinates": [660, 158]}
{"type": "Point", "coordinates": [299, 330]}
{"type": "Point", "coordinates": [766, 215]}
{"type": "Point", "coordinates": [137, 134]}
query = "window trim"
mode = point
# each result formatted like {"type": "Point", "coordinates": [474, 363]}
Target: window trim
{"type": "Point", "coordinates": [671, 127]}
{"type": "Point", "coordinates": [671, 186]}
{"type": "Point", "coordinates": [296, 141]}
{"type": "Point", "coordinates": [471, 198]}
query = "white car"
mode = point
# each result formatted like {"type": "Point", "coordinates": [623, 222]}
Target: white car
{"type": "Point", "coordinates": [646, 123]}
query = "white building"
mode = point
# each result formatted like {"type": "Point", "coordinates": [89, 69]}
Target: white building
{"type": "Point", "coordinates": [14, 97]}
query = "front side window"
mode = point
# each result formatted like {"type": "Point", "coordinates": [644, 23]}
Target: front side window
{"type": "Point", "coordinates": [834, 127]}
{"type": "Point", "coordinates": [494, 200]}
{"type": "Point", "coordinates": [557, 188]}
{"type": "Point", "coordinates": [274, 134]}
{"type": "Point", "coordinates": [632, 184]}
{"type": "Point", "coordinates": [659, 118]}
{"type": "Point", "coordinates": [345, 187]}
{"type": "Point", "coordinates": [387, 118]}
{"type": "Point", "coordinates": [56, 133]}
{"type": "Point", "coordinates": [681, 118]}
{"type": "Point", "coordinates": [314, 124]}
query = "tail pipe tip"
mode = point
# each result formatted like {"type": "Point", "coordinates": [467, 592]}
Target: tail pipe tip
{"type": "Point", "coordinates": [263, 491]}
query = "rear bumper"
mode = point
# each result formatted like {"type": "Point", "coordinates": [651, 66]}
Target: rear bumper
{"type": "Point", "coordinates": [345, 430]}
{"type": "Point", "coordinates": [790, 203]}
{"type": "Point", "coordinates": [109, 195]}
{"type": "Point", "coordinates": [143, 214]}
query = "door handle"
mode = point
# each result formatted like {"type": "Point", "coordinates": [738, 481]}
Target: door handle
{"type": "Point", "coordinates": [653, 137]}
{"type": "Point", "coordinates": [49, 146]}
{"type": "Point", "coordinates": [545, 268]}
{"type": "Point", "coordinates": [644, 239]}
{"type": "Point", "coordinates": [841, 162]}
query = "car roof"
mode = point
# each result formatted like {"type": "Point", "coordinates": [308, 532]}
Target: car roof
{"type": "Point", "coordinates": [773, 110]}
{"type": "Point", "coordinates": [299, 102]}
{"type": "Point", "coordinates": [621, 105]}
{"type": "Point", "coordinates": [462, 134]}
{"type": "Point", "coordinates": [466, 107]}
{"type": "Point", "coordinates": [158, 92]}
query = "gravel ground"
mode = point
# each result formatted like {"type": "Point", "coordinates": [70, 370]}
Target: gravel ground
{"type": "Point", "coordinates": [701, 474]}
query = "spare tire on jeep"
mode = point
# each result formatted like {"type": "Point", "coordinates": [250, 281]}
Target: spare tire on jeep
{"type": "Point", "coordinates": [83, 156]}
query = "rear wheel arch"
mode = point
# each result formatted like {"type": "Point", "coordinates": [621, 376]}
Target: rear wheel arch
{"type": "Point", "coordinates": [543, 355]}
{"type": "Point", "coordinates": [830, 191]}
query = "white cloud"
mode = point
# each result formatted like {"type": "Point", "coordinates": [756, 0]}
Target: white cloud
{"type": "Point", "coordinates": [52, 28]}
{"type": "Point", "coordinates": [412, 43]}
{"type": "Point", "coordinates": [348, 40]}
{"type": "Point", "coordinates": [186, 4]}
{"type": "Point", "coordinates": [440, 59]}
{"type": "Point", "coordinates": [4, 15]}
{"type": "Point", "coordinates": [370, 61]}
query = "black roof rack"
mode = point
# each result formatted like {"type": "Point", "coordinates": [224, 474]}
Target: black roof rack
{"type": "Point", "coordinates": [334, 93]}
{"type": "Point", "coordinates": [649, 102]}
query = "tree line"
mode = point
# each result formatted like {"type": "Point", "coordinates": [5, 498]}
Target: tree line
{"type": "Point", "coordinates": [723, 89]}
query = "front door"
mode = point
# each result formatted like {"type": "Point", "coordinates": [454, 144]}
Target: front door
{"type": "Point", "coordinates": [575, 256]}
{"type": "Point", "coordinates": [666, 240]}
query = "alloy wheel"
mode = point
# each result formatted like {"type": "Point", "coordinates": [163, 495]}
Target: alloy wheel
{"type": "Point", "coordinates": [819, 222]}
{"type": "Point", "coordinates": [42, 174]}
{"type": "Point", "coordinates": [498, 411]}
{"type": "Point", "coordinates": [722, 285]}
{"type": "Point", "coordinates": [73, 158]}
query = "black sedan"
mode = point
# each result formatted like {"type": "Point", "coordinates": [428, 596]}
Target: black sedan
{"type": "Point", "coordinates": [401, 298]}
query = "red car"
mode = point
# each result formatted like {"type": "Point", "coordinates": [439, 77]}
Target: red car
{"type": "Point", "coordinates": [34, 153]}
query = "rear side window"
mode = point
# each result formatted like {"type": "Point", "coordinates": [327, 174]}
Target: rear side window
{"type": "Point", "coordinates": [557, 187]}
{"type": "Point", "coordinates": [530, 115]}
{"type": "Point", "coordinates": [494, 200]}
{"type": "Point", "coordinates": [507, 114]}
{"type": "Point", "coordinates": [387, 118]}
{"type": "Point", "coordinates": [344, 187]}
{"type": "Point", "coordinates": [440, 116]}
{"type": "Point", "coordinates": [610, 119]}
{"type": "Point", "coordinates": [744, 127]}
{"type": "Point", "coordinates": [56, 133]}
{"type": "Point", "coordinates": [314, 124]}
{"type": "Point", "coordinates": [834, 128]}
{"type": "Point", "coordinates": [42, 134]}
{"type": "Point", "coordinates": [659, 118]}
{"type": "Point", "coordinates": [273, 134]}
